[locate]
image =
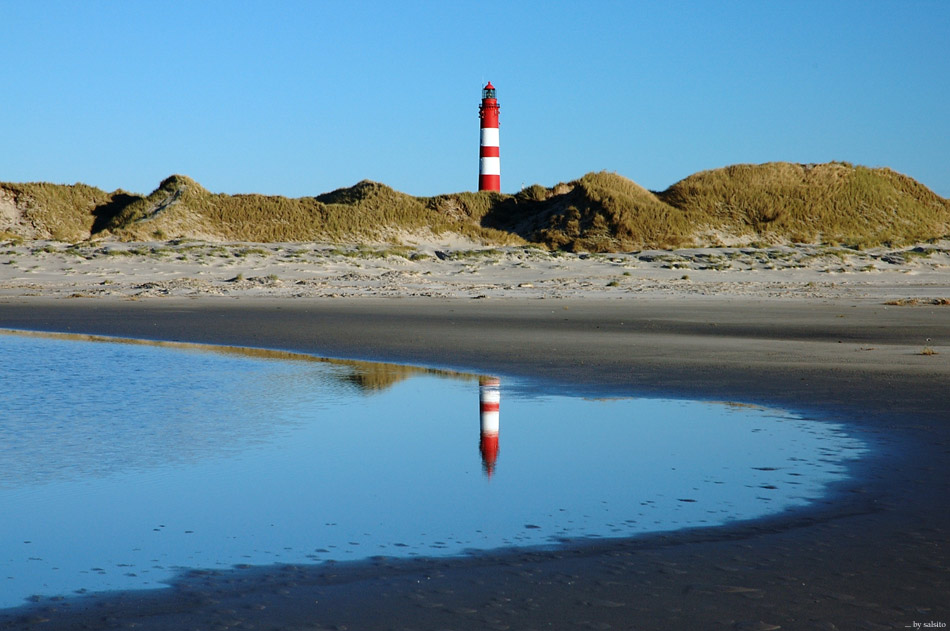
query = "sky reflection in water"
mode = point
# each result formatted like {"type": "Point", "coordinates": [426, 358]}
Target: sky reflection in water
{"type": "Point", "coordinates": [121, 463]}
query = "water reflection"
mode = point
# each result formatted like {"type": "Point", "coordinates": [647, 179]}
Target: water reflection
{"type": "Point", "coordinates": [126, 405]}
{"type": "Point", "coordinates": [164, 459]}
{"type": "Point", "coordinates": [489, 400]}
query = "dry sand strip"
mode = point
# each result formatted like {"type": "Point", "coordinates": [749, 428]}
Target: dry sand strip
{"type": "Point", "coordinates": [873, 555]}
{"type": "Point", "coordinates": [313, 270]}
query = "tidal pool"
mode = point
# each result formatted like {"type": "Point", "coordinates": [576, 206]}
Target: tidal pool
{"type": "Point", "coordinates": [122, 464]}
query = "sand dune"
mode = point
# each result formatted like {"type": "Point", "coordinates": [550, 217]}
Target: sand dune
{"type": "Point", "coordinates": [775, 203]}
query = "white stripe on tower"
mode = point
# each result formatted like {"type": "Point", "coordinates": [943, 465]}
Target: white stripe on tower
{"type": "Point", "coordinates": [489, 137]}
{"type": "Point", "coordinates": [489, 166]}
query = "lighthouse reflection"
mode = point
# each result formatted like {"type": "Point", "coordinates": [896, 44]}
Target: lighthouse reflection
{"type": "Point", "coordinates": [489, 399]}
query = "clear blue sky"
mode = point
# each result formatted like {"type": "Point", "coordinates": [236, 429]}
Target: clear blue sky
{"type": "Point", "coordinates": [300, 98]}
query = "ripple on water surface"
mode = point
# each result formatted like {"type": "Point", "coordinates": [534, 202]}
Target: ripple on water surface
{"type": "Point", "coordinates": [120, 463]}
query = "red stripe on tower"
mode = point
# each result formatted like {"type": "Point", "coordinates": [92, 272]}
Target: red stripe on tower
{"type": "Point", "coordinates": [489, 162]}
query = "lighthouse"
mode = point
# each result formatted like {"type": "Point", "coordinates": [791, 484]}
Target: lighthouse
{"type": "Point", "coordinates": [489, 162]}
{"type": "Point", "coordinates": [488, 407]}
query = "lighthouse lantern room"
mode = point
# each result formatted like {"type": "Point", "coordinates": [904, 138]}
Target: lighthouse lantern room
{"type": "Point", "coordinates": [489, 162]}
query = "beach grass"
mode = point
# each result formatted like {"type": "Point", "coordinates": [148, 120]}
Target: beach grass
{"type": "Point", "coordinates": [56, 211]}
{"type": "Point", "coordinates": [837, 204]}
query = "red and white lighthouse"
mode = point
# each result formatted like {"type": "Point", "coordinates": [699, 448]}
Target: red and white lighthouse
{"type": "Point", "coordinates": [488, 406]}
{"type": "Point", "coordinates": [489, 162]}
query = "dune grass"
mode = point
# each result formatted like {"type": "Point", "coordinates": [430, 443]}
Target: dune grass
{"type": "Point", "coordinates": [600, 212]}
{"type": "Point", "coordinates": [366, 212]}
{"type": "Point", "coordinates": [834, 203]}
{"type": "Point", "coordinates": [57, 211]}
{"type": "Point", "coordinates": [7, 238]}
{"type": "Point", "coordinates": [612, 213]}
{"type": "Point", "coordinates": [774, 203]}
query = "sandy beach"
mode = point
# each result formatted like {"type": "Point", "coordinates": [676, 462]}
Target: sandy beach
{"type": "Point", "coordinates": [461, 269]}
{"type": "Point", "coordinates": [858, 337]}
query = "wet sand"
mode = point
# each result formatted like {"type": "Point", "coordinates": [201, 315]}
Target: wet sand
{"type": "Point", "coordinates": [873, 555]}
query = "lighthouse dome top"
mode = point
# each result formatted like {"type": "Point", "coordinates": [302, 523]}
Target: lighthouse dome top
{"type": "Point", "coordinates": [488, 92]}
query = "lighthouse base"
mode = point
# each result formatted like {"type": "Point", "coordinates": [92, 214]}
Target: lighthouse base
{"type": "Point", "coordinates": [489, 183]}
